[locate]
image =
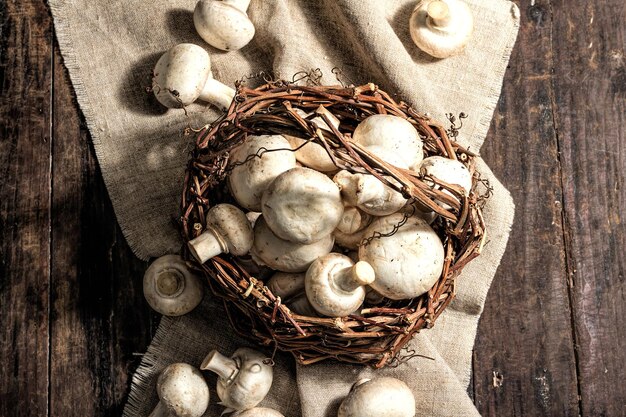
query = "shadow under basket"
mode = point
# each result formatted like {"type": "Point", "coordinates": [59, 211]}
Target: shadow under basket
{"type": "Point", "coordinates": [376, 335]}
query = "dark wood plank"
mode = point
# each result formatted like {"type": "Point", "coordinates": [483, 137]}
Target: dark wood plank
{"type": "Point", "coordinates": [590, 103]}
{"type": "Point", "coordinates": [98, 318]}
{"type": "Point", "coordinates": [25, 79]}
{"type": "Point", "coordinates": [524, 362]}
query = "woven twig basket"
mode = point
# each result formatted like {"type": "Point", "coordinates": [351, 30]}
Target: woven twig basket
{"type": "Point", "coordinates": [377, 335]}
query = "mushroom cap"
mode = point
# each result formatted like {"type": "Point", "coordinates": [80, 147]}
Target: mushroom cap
{"type": "Point", "coordinates": [392, 133]}
{"type": "Point", "coordinates": [249, 180]}
{"type": "Point", "coordinates": [408, 262]}
{"type": "Point", "coordinates": [284, 255]}
{"type": "Point", "coordinates": [349, 240]}
{"type": "Point", "coordinates": [251, 383]}
{"type": "Point", "coordinates": [260, 412]}
{"type": "Point", "coordinates": [233, 227]}
{"type": "Point", "coordinates": [447, 170]}
{"type": "Point", "coordinates": [353, 220]}
{"type": "Point", "coordinates": [368, 193]}
{"type": "Point", "coordinates": [302, 205]}
{"type": "Point", "coordinates": [183, 390]}
{"type": "Point", "coordinates": [322, 284]}
{"type": "Point", "coordinates": [170, 288]}
{"type": "Point", "coordinates": [222, 25]}
{"type": "Point", "coordinates": [311, 154]}
{"type": "Point", "coordinates": [379, 397]}
{"type": "Point", "coordinates": [286, 285]}
{"type": "Point", "coordinates": [180, 75]}
{"type": "Point", "coordinates": [445, 34]}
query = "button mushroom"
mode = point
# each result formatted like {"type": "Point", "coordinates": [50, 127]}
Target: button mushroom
{"type": "Point", "coordinates": [227, 231]}
{"type": "Point", "coordinates": [378, 397]}
{"type": "Point", "coordinates": [368, 193]}
{"type": "Point", "coordinates": [224, 24]}
{"type": "Point", "coordinates": [353, 220]}
{"type": "Point", "coordinates": [447, 170]}
{"type": "Point", "coordinates": [286, 285]}
{"type": "Point", "coordinates": [407, 258]}
{"type": "Point", "coordinates": [335, 286]}
{"type": "Point", "coordinates": [302, 205]}
{"type": "Point", "coordinates": [441, 28]}
{"type": "Point", "coordinates": [182, 392]}
{"type": "Point", "coordinates": [183, 75]}
{"type": "Point", "coordinates": [260, 412]}
{"type": "Point", "coordinates": [170, 288]}
{"type": "Point", "coordinates": [255, 164]}
{"type": "Point", "coordinates": [284, 255]}
{"type": "Point", "coordinates": [349, 240]}
{"type": "Point", "coordinates": [243, 380]}
{"type": "Point", "coordinates": [392, 133]}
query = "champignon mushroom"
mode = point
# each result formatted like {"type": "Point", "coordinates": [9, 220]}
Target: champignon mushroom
{"type": "Point", "coordinates": [368, 193]}
{"type": "Point", "coordinates": [224, 24]}
{"type": "Point", "coordinates": [183, 75]}
{"type": "Point", "coordinates": [182, 392]}
{"type": "Point", "coordinates": [302, 205]}
{"type": "Point", "coordinates": [335, 286]}
{"type": "Point", "coordinates": [353, 220]}
{"type": "Point", "coordinates": [349, 241]}
{"type": "Point", "coordinates": [301, 306]}
{"type": "Point", "coordinates": [227, 231]}
{"type": "Point", "coordinates": [378, 397]}
{"type": "Point", "coordinates": [260, 412]}
{"type": "Point", "coordinates": [243, 379]}
{"type": "Point", "coordinates": [392, 133]}
{"type": "Point", "coordinates": [170, 288]}
{"type": "Point", "coordinates": [255, 164]}
{"type": "Point", "coordinates": [441, 28]}
{"type": "Point", "coordinates": [283, 255]}
{"type": "Point", "coordinates": [286, 285]}
{"type": "Point", "coordinates": [446, 170]}
{"type": "Point", "coordinates": [406, 254]}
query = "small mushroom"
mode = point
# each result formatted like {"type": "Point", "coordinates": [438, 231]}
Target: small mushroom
{"type": "Point", "coordinates": [441, 28]}
{"type": "Point", "coordinates": [378, 397]}
{"type": "Point", "coordinates": [182, 392]}
{"type": "Point", "coordinates": [446, 170]}
{"type": "Point", "coordinates": [349, 240]}
{"type": "Point", "coordinates": [283, 255]}
{"type": "Point", "coordinates": [255, 164]}
{"type": "Point", "coordinates": [407, 256]}
{"type": "Point", "coordinates": [170, 288]}
{"type": "Point", "coordinates": [395, 135]}
{"type": "Point", "coordinates": [227, 231]}
{"type": "Point", "coordinates": [224, 24]}
{"type": "Point", "coordinates": [302, 205]}
{"type": "Point", "coordinates": [260, 412]}
{"type": "Point", "coordinates": [353, 220]}
{"type": "Point", "coordinates": [368, 193]}
{"type": "Point", "coordinates": [335, 286]}
{"type": "Point", "coordinates": [243, 379]}
{"type": "Point", "coordinates": [183, 75]}
{"type": "Point", "coordinates": [301, 306]}
{"type": "Point", "coordinates": [286, 285]}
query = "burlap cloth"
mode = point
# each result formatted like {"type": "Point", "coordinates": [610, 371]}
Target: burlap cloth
{"type": "Point", "coordinates": [110, 48]}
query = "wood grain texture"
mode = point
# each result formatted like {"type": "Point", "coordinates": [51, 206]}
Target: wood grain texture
{"type": "Point", "coordinates": [25, 80]}
{"type": "Point", "coordinates": [589, 45]}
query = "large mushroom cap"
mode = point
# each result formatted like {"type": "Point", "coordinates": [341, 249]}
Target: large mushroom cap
{"type": "Point", "coordinates": [447, 170]}
{"type": "Point", "coordinates": [379, 397]}
{"type": "Point", "coordinates": [180, 75]}
{"type": "Point", "coordinates": [234, 227]}
{"type": "Point", "coordinates": [441, 28]}
{"type": "Point", "coordinates": [223, 25]}
{"type": "Point", "coordinates": [302, 205]}
{"type": "Point", "coordinates": [251, 175]}
{"type": "Point", "coordinates": [183, 390]}
{"type": "Point", "coordinates": [407, 261]}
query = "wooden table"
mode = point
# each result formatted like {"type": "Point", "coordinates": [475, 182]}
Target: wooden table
{"type": "Point", "coordinates": [552, 338]}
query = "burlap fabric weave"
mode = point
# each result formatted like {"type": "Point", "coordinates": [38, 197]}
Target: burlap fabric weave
{"type": "Point", "coordinates": [110, 48]}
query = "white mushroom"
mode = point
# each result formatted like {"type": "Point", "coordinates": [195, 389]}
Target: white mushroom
{"type": "Point", "coordinates": [441, 28]}
{"type": "Point", "coordinates": [227, 231]}
{"type": "Point", "coordinates": [243, 379]}
{"type": "Point", "coordinates": [182, 392]}
{"type": "Point", "coordinates": [407, 258]}
{"type": "Point", "coordinates": [170, 288]}
{"type": "Point", "coordinates": [301, 306]}
{"type": "Point", "coordinates": [283, 255]}
{"type": "Point", "coordinates": [368, 193]}
{"type": "Point", "coordinates": [349, 240]}
{"type": "Point", "coordinates": [224, 24]}
{"type": "Point", "coordinates": [302, 205]}
{"type": "Point", "coordinates": [183, 75]}
{"type": "Point", "coordinates": [251, 174]}
{"type": "Point", "coordinates": [392, 133]}
{"type": "Point", "coordinates": [446, 170]}
{"type": "Point", "coordinates": [378, 397]}
{"type": "Point", "coordinates": [259, 412]}
{"type": "Point", "coordinates": [335, 286]}
{"type": "Point", "coordinates": [286, 285]}
{"type": "Point", "coordinates": [353, 220]}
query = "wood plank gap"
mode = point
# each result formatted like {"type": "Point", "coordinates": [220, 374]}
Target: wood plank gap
{"type": "Point", "coordinates": [50, 198]}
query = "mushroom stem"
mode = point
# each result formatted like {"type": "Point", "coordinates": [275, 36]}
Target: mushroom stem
{"type": "Point", "coordinates": [207, 246]}
{"type": "Point", "coordinates": [358, 275]}
{"type": "Point", "coordinates": [222, 365]}
{"type": "Point", "coordinates": [239, 4]}
{"type": "Point", "coordinates": [438, 13]}
{"type": "Point", "coordinates": [217, 93]}
{"type": "Point", "coordinates": [169, 283]}
{"type": "Point", "coordinates": [159, 411]}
